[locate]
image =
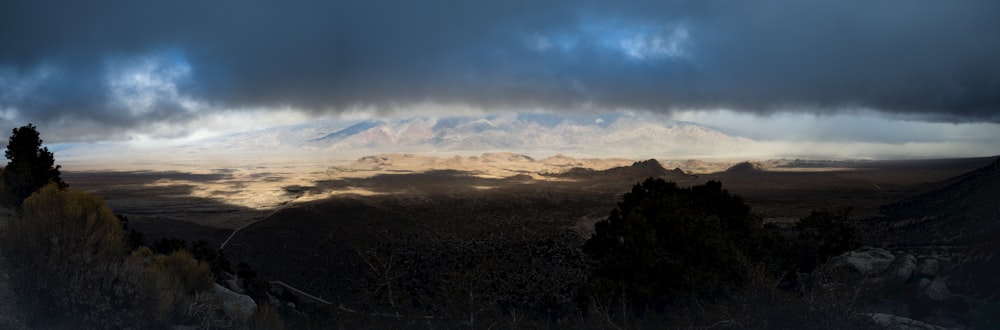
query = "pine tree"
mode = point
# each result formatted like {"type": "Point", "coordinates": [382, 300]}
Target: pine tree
{"type": "Point", "coordinates": [31, 165]}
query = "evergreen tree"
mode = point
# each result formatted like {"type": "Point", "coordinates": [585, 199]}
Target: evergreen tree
{"type": "Point", "coordinates": [664, 241]}
{"type": "Point", "coordinates": [31, 165]}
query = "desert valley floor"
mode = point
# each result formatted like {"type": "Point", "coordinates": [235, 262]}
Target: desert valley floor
{"type": "Point", "coordinates": [307, 224]}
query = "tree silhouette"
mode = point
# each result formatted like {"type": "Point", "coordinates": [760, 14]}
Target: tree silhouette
{"type": "Point", "coordinates": [664, 241]}
{"type": "Point", "coordinates": [30, 167]}
{"type": "Point", "coordinates": [822, 235]}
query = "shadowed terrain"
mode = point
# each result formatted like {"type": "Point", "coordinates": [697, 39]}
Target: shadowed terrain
{"type": "Point", "coordinates": [338, 235]}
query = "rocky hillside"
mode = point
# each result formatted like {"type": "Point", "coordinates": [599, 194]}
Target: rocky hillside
{"type": "Point", "coordinates": [955, 228]}
{"type": "Point", "coordinates": [964, 211]}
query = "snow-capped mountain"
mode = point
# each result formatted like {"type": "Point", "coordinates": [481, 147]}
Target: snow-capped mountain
{"type": "Point", "coordinates": [609, 133]}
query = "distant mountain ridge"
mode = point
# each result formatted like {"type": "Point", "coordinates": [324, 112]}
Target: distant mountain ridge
{"type": "Point", "coordinates": [346, 132]}
{"type": "Point", "coordinates": [746, 166]}
{"type": "Point", "coordinates": [548, 133]}
{"type": "Point", "coordinates": [639, 169]}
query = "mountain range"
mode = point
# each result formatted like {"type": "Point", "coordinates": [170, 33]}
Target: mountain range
{"type": "Point", "coordinates": [607, 135]}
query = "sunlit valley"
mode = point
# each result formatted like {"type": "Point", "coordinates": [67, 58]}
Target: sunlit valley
{"type": "Point", "coordinates": [500, 166]}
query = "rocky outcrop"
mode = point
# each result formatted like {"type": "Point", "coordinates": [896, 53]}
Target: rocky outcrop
{"type": "Point", "coordinates": [949, 233]}
{"type": "Point", "coordinates": [238, 306]}
{"type": "Point", "coordinates": [910, 291]}
{"type": "Point", "coordinates": [901, 270]}
{"type": "Point", "coordinates": [864, 262]}
{"type": "Point", "coordinates": [890, 321]}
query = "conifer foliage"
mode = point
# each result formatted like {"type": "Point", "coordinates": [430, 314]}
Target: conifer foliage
{"type": "Point", "coordinates": [31, 165]}
{"type": "Point", "coordinates": [663, 241]}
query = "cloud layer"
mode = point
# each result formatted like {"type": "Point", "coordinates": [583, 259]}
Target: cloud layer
{"type": "Point", "coordinates": [128, 64]}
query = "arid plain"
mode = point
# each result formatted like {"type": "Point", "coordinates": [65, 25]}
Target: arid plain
{"type": "Point", "coordinates": [306, 224]}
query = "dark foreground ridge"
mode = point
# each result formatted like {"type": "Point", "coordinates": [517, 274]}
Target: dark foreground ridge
{"type": "Point", "coordinates": [958, 224]}
{"type": "Point", "coordinates": [965, 211]}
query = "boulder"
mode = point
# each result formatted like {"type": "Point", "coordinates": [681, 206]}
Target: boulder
{"type": "Point", "coordinates": [232, 282]}
{"type": "Point", "coordinates": [928, 268]}
{"type": "Point", "coordinates": [865, 261]}
{"type": "Point", "coordinates": [936, 290]}
{"type": "Point", "coordinates": [238, 306]}
{"type": "Point", "coordinates": [890, 321]}
{"type": "Point", "coordinates": [901, 269]}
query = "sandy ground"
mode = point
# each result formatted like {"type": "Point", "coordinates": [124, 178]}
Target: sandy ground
{"type": "Point", "coordinates": [303, 222]}
{"type": "Point", "coordinates": [233, 194]}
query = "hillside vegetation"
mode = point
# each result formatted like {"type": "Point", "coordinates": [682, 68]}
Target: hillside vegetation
{"type": "Point", "coordinates": [73, 264]}
{"type": "Point", "coordinates": [665, 256]}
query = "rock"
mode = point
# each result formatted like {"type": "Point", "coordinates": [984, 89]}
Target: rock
{"type": "Point", "coordinates": [890, 321]}
{"type": "Point", "coordinates": [923, 283]}
{"type": "Point", "coordinates": [273, 300]}
{"type": "Point", "coordinates": [928, 268]}
{"type": "Point", "coordinates": [865, 261]}
{"type": "Point", "coordinates": [233, 283]}
{"type": "Point", "coordinates": [239, 306]}
{"type": "Point", "coordinates": [901, 269]}
{"type": "Point", "coordinates": [936, 290]}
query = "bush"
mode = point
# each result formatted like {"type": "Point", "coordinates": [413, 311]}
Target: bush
{"type": "Point", "coordinates": [176, 279]}
{"type": "Point", "coordinates": [762, 305]}
{"type": "Point", "coordinates": [169, 245]}
{"type": "Point", "coordinates": [133, 238]}
{"type": "Point", "coordinates": [663, 241]}
{"type": "Point", "coordinates": [67, 254]}
{"type": "Point", "coordinates": [253, 285]}
{"type": "Point", "coordinates": [69, 264]}
{"type": "Point", "coordinates": [267, 317]}
{"type": "Point", "coordinates": [199, 249]}
{"type": "Point", "coordinates": [821, 235]}
{"type": "Point", "coordinates": [216, 260]}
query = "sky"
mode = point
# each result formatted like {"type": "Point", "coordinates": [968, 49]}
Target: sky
{"type": "Point", "coordinates": [885, 72]}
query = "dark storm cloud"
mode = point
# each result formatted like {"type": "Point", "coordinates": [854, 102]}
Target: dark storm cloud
{"type": "Point", "coordinates": [125, 63]}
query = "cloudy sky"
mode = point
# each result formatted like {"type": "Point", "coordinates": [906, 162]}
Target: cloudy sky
{"type": "Point", "coordinates": [889, 72]}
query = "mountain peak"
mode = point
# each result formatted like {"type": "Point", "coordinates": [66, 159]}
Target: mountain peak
{"type": "Point", "coordinates": [746, 167]}
{"type": "Point", "coordinates": [640, 169]}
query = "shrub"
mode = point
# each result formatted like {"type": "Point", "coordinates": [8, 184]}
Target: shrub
{"type": "Point", "coordinates": [253, 285]}
{"type": "Point", "coordinates": [175, 280]}
{"type": "Point", "coordinates": [67, 256]}
{"type": "Point", "coordinates": [169, 245]}
{"type": "Point", "coordinates": [216, 260]}
{"type": "Point", "coordinates": [761, 305]}
{"type": "Point", "coordinates": [822, 235]}
{"type": "Point", "coordinates": [193, 275]}
{"type": "Point", "coordinates": [663, 241]}
{"type": "Point", "coordinates": [267, 317]}
{"type": "Point", "coordinates": [133, 238]}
